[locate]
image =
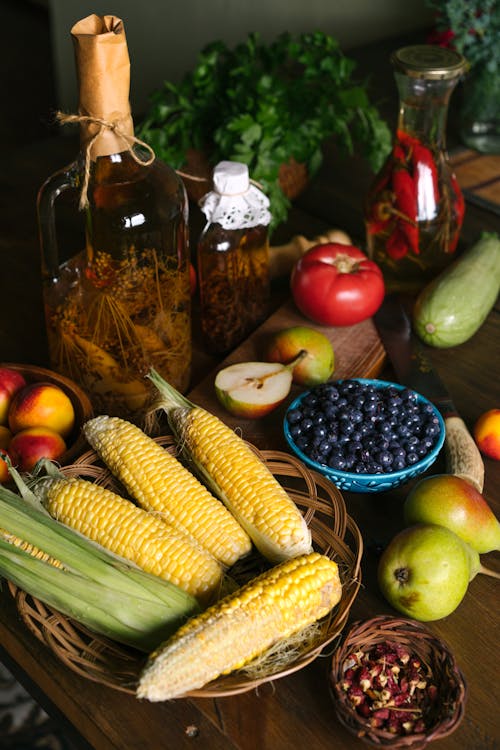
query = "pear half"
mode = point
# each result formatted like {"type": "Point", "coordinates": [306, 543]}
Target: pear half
{"type": "Point", "coordinates": [252, 389]}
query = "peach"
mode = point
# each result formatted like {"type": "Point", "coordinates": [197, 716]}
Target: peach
{"type": "Point", "coordinates": [5, 436]}
{"type": "Point", "coordinates": [4, 470]}
{"type": "Point", "coordinates": [42, 405]}
{"type": "Point", "coordinates": [11, 380]}
{"type": "Point", "coordinates": [33, 443]}
{"type": "Point", "coordinates": [5, 399]}
{"type": "Point", "coordinates": [487, 433]}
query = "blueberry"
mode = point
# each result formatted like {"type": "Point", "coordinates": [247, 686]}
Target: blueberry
{"type": "Point", "coordinates": [411, 442]}
{"type": "Point", "coordinates": [294, 415]}
{"type": "Point", "coordinates": [432, 428]}
{"type": "Point", "coordinates": [295, 430]}
{"type": "Point", "coordinates": [399, 453]}
{"type": "Point", "coordinates": [302, 443]}
{"type": "Point", "coordinates": [319, 431]}
{"type": "Point", "coordinates": [306, 424]}
{"type": "Point", "coordinates": [385, 458]}
{"type": "Point", "coordinates": [356, 416]}
{"type": "Point", "coordinates": [384, 428]}
{"type": "Point", "coordinates": [325, 447]}
{"type": "Point", "coordinates": [310, 399]}
{"type": "Point", "coordinates": [330, 411]}
{"type": "Point", "coordinates": [422, 450]}
{"type": "Point", "coordinates": [346, 427]}
{"type": "Point", "coordinates": [398, 464]}
{"type": "Point", "coordinates": [403, 431]}
{"type": "Point", "coordinates": [412, 458]}
{"type": "Point", "coordinates": [336, 462]}
{"type": "Point", "coordinates": [370, 407]}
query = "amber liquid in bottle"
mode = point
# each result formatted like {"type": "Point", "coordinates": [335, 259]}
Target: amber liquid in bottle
{"type": "Point", "coordinates": [123, 305]}
{"type": "Point", "coordinates": [233, 272]}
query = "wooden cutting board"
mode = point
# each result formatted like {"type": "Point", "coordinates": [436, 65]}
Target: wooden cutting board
{"type": "Point", "coordinates": [479, 177]}
{"type": "Point", "coordinates": [358, 353]}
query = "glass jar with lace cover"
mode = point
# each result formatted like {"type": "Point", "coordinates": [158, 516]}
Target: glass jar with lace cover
{"type": "Point", "coordinates": [233, 258]}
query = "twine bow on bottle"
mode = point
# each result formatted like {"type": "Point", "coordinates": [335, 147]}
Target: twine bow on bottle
{"type": "Point", "coordinates": [104, 124]}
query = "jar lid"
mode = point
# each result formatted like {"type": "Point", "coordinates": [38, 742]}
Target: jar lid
{"type": "Point", "coordinates": [231, 178]}
{"type": "Point", "coordinates": [235, 202]}
{"type": "Point", "coordinates": [429, 61]}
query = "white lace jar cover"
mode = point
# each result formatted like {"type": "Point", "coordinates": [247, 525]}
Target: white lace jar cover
{"type": "Point", "coordinates": [235, 202]}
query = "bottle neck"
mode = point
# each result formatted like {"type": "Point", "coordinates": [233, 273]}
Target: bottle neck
{"type": "Point", "coordinates": [423, 108]}
{"type": "Point", "coordinates": [103, 67]}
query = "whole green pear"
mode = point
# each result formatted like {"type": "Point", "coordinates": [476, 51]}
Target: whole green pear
{"type": "Point", "coordinates": [425, 570]}
{"type": "Point", "coordinates": [453, 502]}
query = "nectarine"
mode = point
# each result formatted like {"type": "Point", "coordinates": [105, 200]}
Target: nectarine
{"type": "Point", "coordinates": [42, 405]}
{"type": "Point", "coordinates": [487, 433]}
{"type": "Point", "coordinates": [11, 380]}
{"type": "Point", "coordinates": [5, 436]}
{"type": "Point", "coordinates": [4, 470]}
{"type": "Point", "coordinates": [33, 443]}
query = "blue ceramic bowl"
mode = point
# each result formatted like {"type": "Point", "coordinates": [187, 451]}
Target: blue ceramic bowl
{"type": "Point", "coordinates": [358, 482]}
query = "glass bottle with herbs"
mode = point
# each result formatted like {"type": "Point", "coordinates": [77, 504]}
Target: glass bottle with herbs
{"type": "Point", "coordinates": [233, 258]}
{"type": "Point", "coordinates": [415, 208]}
{"type": "Point", "coordinates": [121, 305]}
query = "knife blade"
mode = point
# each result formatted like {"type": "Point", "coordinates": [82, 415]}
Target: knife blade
{"type": "Point", "coordinates": [414, 369]}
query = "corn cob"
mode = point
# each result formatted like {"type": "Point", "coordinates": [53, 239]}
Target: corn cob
{"type": "Point", "coordinates": [158, 482]}
{"type": "Point", "coordinates": [228, 635]}
{"type": "Point", "coordinates": [23, 545]}
{"type": "Point", "coordinates": [237, 476]}
{"type": "Point", "coordinates": [132, 533]}
{"type": "Point", "coordinates": [85, 582]}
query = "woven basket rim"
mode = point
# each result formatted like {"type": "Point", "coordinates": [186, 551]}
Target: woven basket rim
{"type": "Point", "coordinates": [429, 647]}
{"type": "Point", "coordinates": [102, 660]}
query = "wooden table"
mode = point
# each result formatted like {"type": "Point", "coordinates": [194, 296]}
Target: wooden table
{"type": "Point", "coordinates": [295, 711]}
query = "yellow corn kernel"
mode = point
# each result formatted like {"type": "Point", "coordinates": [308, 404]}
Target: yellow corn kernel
{"type": "Point", "coordinates": [160, 483]}
{"type": "Point", "coordinates": [232, 632]}
{"type": "Point", "coordinates": [132, 533]}
{"type": "Point", "coordinates": [36, 552]}
{"type": "Point", "coordinates": [245, 484]}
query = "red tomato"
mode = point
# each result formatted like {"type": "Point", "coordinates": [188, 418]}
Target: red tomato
{"type": "Point", "coordinates": [337, 285]}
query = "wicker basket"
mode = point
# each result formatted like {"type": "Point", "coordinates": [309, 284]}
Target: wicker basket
{"type": "Point", "coordinates": [334, 533]}
{"type": "Point", "coordinates": [81, 403]}
{"type": "Point", "coordinates": [449, 707]}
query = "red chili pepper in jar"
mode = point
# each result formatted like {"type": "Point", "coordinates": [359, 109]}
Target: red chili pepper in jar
{"type": "Point", "coordinates": [397, 244]}
{"type": "Point", "coordinates": [406, 202]}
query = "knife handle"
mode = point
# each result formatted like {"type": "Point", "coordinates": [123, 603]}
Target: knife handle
{"type": "Point", "coordinates": [462, 454]}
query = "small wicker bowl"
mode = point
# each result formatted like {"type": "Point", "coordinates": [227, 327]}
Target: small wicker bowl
{"type": "Point", "coordinates": [333, 531]}
{"type": "Point", "coordinates": [75, 442]}
{"type": "Point", "coordinates": [447, 710]}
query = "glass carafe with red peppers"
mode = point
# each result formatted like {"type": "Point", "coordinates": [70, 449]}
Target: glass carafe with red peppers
{"type": "Point", "coordinates": [415, 208]}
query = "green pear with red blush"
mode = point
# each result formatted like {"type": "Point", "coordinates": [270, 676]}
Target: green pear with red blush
{"type": "Point", "coordinates": [425, 571]}
{"type": "Point", "coordinates": [450, 501]}
{"type": "Point", "coordinates": [317, 362]}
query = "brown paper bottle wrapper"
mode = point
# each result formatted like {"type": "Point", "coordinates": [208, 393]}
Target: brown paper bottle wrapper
{"type": "Point", "coordinates": [103, 68]}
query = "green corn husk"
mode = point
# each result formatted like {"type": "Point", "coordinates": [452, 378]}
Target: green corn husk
{"type": "Point", "coordinates": [93, 586]}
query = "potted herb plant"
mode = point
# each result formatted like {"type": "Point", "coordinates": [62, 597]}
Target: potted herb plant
{"type": "Point", "coordinates": [271, 106]}
{"type": "Point", "coordinates": [472, 27]}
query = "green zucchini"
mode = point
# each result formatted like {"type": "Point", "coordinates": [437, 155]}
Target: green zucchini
{"type": "Point", "coordinates": [450, 309]}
